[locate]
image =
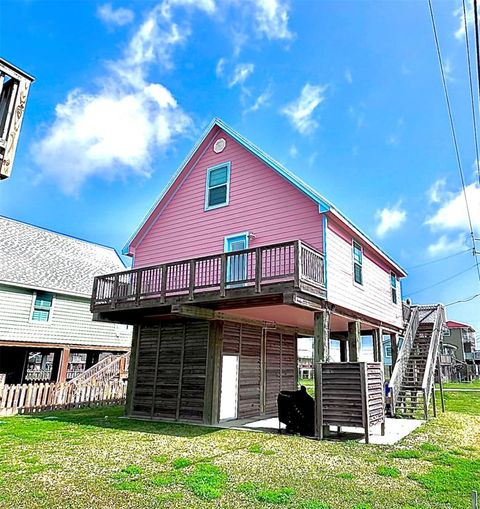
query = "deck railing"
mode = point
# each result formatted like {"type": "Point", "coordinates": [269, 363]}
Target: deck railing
{"type": "Point", "coordinates": [288, 261]}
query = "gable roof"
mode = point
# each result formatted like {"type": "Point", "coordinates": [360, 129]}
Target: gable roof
{"type": "Point", "coordinates": [33, 257]}
{"type": "Point", "coordinates": [458, 325]}
{"type": "Point", "coordinates": [324, 206]}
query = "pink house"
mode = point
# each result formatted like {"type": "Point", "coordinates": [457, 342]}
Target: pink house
{"type": "Point", "coordinates": [226, 277]}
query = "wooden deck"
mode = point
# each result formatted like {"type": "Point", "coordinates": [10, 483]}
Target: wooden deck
{"type": "Point", "coordinates": [250, 274]}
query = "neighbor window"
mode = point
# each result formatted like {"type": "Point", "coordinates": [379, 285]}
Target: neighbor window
{"type": "Point", "coordinates": [446, 331]}
{"type": "Point", "coordinates": [42, 307]}
{"type": "Point", "coordinates": [393, 283]}
{"type": "Point", "coordinates": [357, 263]}
{"type": "Point", "coordinates": [218, 186]}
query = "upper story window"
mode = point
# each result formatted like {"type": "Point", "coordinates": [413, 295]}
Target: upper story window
{"type": "Point", "coordinates": [218, 186]}
{"type": "Point", "coordinates": [357, 263]}
{"type": "Point", "coordinates": [42, 307]}
{"type": "Point", "coordinates": [393, 284]}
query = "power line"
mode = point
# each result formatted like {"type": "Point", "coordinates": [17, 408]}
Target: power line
{"type": "Point", "coordinates": [454, 134]}
{"type": "Point", "coordinates": [477, 44]}
{"type": "Point", "coordinates": [442, 281]}
{"type": "Point", "coordinates": [439, 259]}
{"type": "Point", "coordinates": [463, 300]}
{"type": "Point", "coordinates": [469, 66]}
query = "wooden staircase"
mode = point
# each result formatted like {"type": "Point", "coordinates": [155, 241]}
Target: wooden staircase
{"type": "Point", "coordinates": [413, 378]}
{"type": "Point", "coordinates": [109, 368]}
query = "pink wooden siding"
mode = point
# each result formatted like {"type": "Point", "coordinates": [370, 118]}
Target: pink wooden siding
{"type": "Point", "coordinates": [374, 297]}
{"type": "Point", "coordinates": [261, 202]}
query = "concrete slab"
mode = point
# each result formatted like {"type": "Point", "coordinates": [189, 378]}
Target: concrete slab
{"type": "Point", "coordinates": [395, 430]}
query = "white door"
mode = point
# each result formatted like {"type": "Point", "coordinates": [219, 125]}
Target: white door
{"type": "Point", "coordinates": [229, 389]}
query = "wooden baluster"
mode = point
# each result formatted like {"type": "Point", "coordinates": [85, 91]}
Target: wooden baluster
{"type": "Point", "coordinates": [258, 269]}
{"type": "Point", "coordinates": [138, 289]}
{"type": "Point", "coordinates": [191, 286]}
{"type": "Point", "coordinates": [114, 291]}
{"type": "Point", "coordinates": [223, 273]}
{"type": "Point", "coordinates": [163, 288]}
{"type": "Point", "coordinates": [297, 268]}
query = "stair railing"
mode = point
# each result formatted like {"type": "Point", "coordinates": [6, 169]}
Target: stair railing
{"type": "Point", "coordinates": [398, 374]}
{"type": "Point", "coordinates": [107, 368]}
{"type": "Point", "coordinates": [429, 374]}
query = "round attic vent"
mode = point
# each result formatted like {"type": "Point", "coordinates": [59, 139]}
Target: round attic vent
{"type": "Point", "coordinates": [219, 145]}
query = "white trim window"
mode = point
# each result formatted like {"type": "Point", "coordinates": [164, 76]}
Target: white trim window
{"type": "Point", "coordinates": [42, 306]}
{"type": "Point", "coordinates": [393, 284]}
{"type": "Point", "coordinates": [357, 253]}
{"type": "Point", "coordinates": [217, 186]}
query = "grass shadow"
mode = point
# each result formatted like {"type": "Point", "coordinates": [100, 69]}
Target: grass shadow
{"type": "Point", "coordinates": [114, 418]}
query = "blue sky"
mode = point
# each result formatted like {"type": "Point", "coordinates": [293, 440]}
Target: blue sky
{"type": "Point", "coordinates": [345, 94]}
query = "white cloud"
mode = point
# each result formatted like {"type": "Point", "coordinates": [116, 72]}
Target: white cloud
{"type": "Point", "coordinates": [445, 245]}
{"type": "Point", "coordinates": [240, 74]}
{"type": "Point", "coordinates": [393, 140]}
{"type": "Point", "coordinates": [293, 151]}
{"type": "Point", "coordinates": [437, 192]}
{"type": "Point", "coordinates": [390, 219]}
{"type": "Point", "coordinates": [348, 76]}
{"type": "Point", "coordinates": [115, 17]}
{"type": "Point", "coordinates": [115, 131]}
{"type": "Point", "coordinates": [261, 101]}
{"type": "Point", "coordinates": [300, 111]}
{"type": "Point", "coordinates": [452, 214]}
{"type": "Point", "coordinates": [220, 67]}
{"type": "Point", "coordinates": [271, 18]}
{"type": "Point", "coordinates": [458, 13]}
{"type": "Point", "coordinates": [448, 69]}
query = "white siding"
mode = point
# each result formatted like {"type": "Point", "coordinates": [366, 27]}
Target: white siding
{"type": "Point", "coordinates": [71, 321]}
{"type": "Point", "coordinates": [374, 298]}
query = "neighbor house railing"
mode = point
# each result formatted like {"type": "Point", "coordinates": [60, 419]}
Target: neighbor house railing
{"type": "Point", "coordinates": [400, 368]}
{"type": "Point", "coordinates": [112, 366]}
{"type": "Point", "coordinates": [255, 267]}
{"type": "Point", "coordinates": [29, 398]}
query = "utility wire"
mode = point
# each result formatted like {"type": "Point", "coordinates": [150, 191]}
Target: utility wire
{"type": "Point", "coordinates": [469, 66]}
{"type": "Point", "coordinates": [439, 259]}
{"type": "Point", "coordinates": [442, 281]}
{"type": "Point", "coordinates": [463, 300]}
{"type": "Point", "coordinates": [454, 134]}
{"type": "Point", "coordinates": [477, 44]}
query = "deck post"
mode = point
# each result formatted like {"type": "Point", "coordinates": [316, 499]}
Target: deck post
{"type": "Point", "coordinates": [62, 370]}
{"type": "Point", "coordinates": [343, 350]}
{"type": "Point", "coordinates": [394, 347]}
{"type": "Point", "coordinates": [321, 320]}
{"type": "Point", "coordinates": [132, 369]}
{"type": "Point", "coordinates": [440, 383]}
{"type": "Point", "coordinates": [378, 345]}
{"type": "Point", "coordinates": [354, 341]}
{"type": "Point", "coordinates": [211, 407]}
{"type": "Point", "coordinates": [258, 270]}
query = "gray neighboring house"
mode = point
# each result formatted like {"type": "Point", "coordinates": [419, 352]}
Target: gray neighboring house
{"type": "Point", "coordinates": [460, 356]}
{"type": "Point", "coordinates": [46, 327]}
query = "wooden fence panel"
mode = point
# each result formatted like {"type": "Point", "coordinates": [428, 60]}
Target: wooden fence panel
{"type": "Point", "coordinates": [29, 398]}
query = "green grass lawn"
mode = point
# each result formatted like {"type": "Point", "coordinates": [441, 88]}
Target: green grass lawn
{"type": "Point", "coordinates": [93, 458]}
{"type": "Point", "coordinates": [475, 384]}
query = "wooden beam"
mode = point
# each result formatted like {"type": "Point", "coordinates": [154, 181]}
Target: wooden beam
{"type": "Point", "coordinates": [62, 371]}
{"type": "Point", "coordinates": [321, 344]}
{"type": "Point", "coordinates": [193, 311]}
{"type": "Point", "coordinates": [354, 341]}
{"type": "Point", "coordinates": [211, 409]}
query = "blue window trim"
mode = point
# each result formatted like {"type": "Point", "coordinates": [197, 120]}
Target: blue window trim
{"type": "Point", "coordinates": [50, 309]}
{"type": "Point", "coordinates": [355, 244]}
{"type": "Point", "coordinates": [209, 170]}
{"type": "Point", "coordinates": [227, 238]}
